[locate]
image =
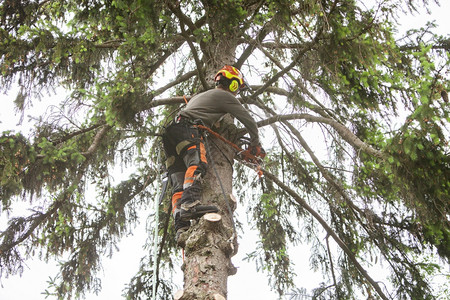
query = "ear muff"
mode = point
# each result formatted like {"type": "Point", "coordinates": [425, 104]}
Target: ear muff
{"type": "Point", "coordinates": [234, 85]}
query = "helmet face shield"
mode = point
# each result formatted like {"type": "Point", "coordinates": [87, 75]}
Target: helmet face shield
{"type": "Point", "coordinates": [234, 75]}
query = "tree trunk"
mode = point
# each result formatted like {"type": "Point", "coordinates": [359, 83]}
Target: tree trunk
{"type": "Point", "coordinates": [210, 243]}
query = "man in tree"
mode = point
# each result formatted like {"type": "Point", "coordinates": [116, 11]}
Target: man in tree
{"type": "Point", "coordinates": [185, 149]}
{"type": "Point", "coordinates": [360, 173]}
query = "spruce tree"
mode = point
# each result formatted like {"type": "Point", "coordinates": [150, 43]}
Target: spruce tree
{"type": "Point", "coordinates": [355, 121]}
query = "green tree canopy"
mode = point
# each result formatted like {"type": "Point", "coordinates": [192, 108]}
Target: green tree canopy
{"type": "Point", "coordinates": [355, 120]}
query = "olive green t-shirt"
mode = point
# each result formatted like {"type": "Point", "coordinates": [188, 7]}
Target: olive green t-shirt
{"type": "Point", "coordinates": [212, 105]}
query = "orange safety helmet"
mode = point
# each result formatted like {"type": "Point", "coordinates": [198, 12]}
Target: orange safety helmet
{"type": "Point", "coordinates": [235, 77]}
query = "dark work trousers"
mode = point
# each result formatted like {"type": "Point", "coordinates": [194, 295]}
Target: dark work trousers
{"type": "Point", "coordinates": [185, 161]}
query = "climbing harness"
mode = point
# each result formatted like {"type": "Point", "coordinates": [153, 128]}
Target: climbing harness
{"type": "Point", "coordinates": [245, 156]}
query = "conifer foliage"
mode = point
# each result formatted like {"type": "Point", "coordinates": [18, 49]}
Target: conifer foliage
{"type": "Point", "coordinates": [355, 121]}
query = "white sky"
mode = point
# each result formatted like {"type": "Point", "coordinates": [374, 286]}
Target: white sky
{"type": "Point", "coordinates": [246, 284]}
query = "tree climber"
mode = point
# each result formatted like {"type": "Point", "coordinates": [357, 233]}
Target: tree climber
{"type": "Point", "coordinates": [185, 150]}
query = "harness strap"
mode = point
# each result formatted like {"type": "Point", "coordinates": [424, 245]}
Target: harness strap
{"type": "Point", "coordinates": [236, 147]}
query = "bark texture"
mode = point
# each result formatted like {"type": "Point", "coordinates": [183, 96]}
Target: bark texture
{"type": "Point", "coordinates": [209, 246]}
{"type": "Point", "coordinates": [210, 242]}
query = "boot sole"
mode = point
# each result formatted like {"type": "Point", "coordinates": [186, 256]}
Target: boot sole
{"type": "Point", "coordinates": [196, 213]}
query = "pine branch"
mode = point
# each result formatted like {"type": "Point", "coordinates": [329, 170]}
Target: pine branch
{"type": "Point", "coordinates": [95, 143]}
{"type": "Point", "coordinates": [198, 63]}
{"type": "Point", "coordinates": [176, 10]}
{"type": "Point", "coordinates": [76, 133]}
{"type": "Point", "coordinates": [330, 257]}
{"type": "Point", "coordinates": [180, 79]}
{"type": "Point", "coordinates": [343, 131]}
{"type": "Point", "coordinates": [279, 74]}
{"type": "Point", "coordinates": [253, 45]}
{"type": "Point", "coordinates": [164, 101]}
{"type": "Point", "coordinates": [329, 231]}
{"type": "Point", "coordinates": [9, 242]}
{"type": "Point", "coordinates": [164, 57]}
{"type": "Point", "coordinates": [97, 140]}
{"type": "Point", "coordinates": [322, 109]}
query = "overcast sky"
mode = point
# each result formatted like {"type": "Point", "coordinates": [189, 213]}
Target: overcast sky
{"type": "Point", "coordinates": [246, 284]}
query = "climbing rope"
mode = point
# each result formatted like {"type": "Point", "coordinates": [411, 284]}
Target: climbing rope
{"type": "Point", "coordinates": [227, 201]}
{"type": "Point", "coordinates": [155, 236]}
{"type": "Point", "coordinates": [248, 158]}
{"type": "Point", "coordinates": [246, 155]}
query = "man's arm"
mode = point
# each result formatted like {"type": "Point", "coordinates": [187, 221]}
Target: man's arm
{"type": "Point", "coordinates": [235, 108]}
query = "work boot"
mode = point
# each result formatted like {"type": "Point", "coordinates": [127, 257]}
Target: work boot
{"type": "Point", "coordinates": [180, 226]}
{"type": "Point", "coordinates": [195, 210]}
{"type": "Point", "coordinates": [191, 207]}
